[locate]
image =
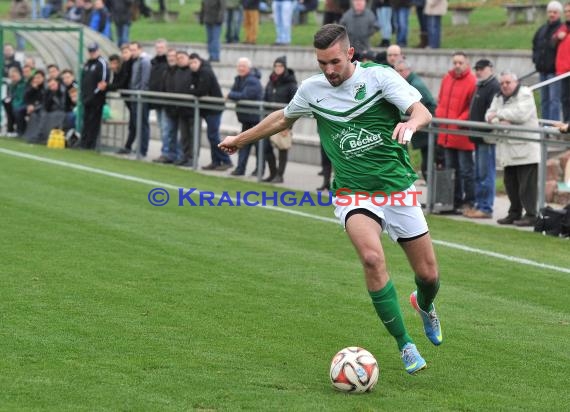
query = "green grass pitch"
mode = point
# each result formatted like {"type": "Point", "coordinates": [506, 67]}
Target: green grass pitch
{"type": "Point", "coordinates": [109, 303]}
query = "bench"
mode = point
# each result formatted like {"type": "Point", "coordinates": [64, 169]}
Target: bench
{"type": "Point", "coordinates": [530, 12]}
{"type": "Point", "coordinates": [460, 14]}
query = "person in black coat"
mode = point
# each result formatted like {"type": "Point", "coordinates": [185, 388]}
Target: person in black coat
{"type": "Point", "coordinates": [94, 82]}
{"type": "Point", "coordinates": [185, 115]}
{"type": "Point", "coordinates": [280, 88]}
{"type": "Point", "coordinates": [205, 83]}
{"type": "Point", "coordinates": [158, 66]}
{"type": "Point", "coordinates": [544, 57]}
{"type": "Point", "coordinates": [170, 115]}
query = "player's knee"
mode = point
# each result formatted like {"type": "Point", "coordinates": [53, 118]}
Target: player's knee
{"type": "Point", "coordinates": [429, 272]}
{"type": "Point", "coordinates": [372, 260]}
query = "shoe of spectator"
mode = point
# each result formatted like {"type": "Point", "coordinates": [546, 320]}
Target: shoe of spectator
{"type": "Point", "coordinates": [224, 166]}
{"type": "Point", "coordinates": [268, 179]}
{"type": "Point", "coordinates": [162, 159]}
{"type": "Point", "coordinates": [254, 173]}
{"type": "Point", "coordinates": [237, 172]}
{"type": "Point", "coordinates": [509, 220]}
{"type": "Point", "coordinates": [211, 166]}
{"type": "Point", "coordinates": [124, 151]}
{"type": "Point", "coordinates": [321, 173]}
{"type": "Point", "coordinates": [525, 221]}
{"type": "Point", "coordinates": [477, 214]}
{"type": "Point", "coordinates": [277, 179]}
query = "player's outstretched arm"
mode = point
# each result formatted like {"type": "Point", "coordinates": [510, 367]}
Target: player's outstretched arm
{"type": "Point", "coordinates": [273, 123]}
{"type": "Point", "coordinates": [419, 117]}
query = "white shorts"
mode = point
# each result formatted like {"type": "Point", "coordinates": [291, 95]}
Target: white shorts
{"type": "Point", "coordinates": [402, 218]}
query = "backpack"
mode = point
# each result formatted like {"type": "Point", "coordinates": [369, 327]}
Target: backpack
{"type": "Point", "coordinates": [553, 222]}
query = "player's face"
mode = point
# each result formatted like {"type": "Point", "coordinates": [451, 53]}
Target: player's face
{"type": "Point", "coordinates": [335, 63]}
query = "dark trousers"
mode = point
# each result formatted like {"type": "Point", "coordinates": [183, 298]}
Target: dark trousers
{"type": "Point", "coordinates": [186, 125]}
{"type": "Point", "coordinates": [213, 132]}
{"type": "Point", "coordinates": [10, 118]}
{"type": "Point", "coordinates": [92, 116]}
{"type": "Point", "coordinates": [463, 163]}
{"type": "Point", "coordinates": [145, 128]}
{"type": "Point", "coordinates": [275, 169]}
{"type": "Point", "coordinates": [243, 154]}
{"type": "Point", "coordinates": [565, 98]}
{"type": "Point", "coordinates": [521, 184]}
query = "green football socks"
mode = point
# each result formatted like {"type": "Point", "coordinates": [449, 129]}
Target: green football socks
{"type": "Point", "coordinates": [426, 293]}
{"type": "Point", "coordinates": [385, 302]}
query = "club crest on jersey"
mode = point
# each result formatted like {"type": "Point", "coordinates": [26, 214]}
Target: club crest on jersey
{"type": "Point", "coordinates": [359, 91]}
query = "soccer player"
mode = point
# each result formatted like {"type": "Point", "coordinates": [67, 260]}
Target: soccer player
{"type": "Point", "coordinates": [358, 112]}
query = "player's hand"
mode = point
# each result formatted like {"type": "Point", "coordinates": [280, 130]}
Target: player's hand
{"type": "Point", "coordinates": [229, 145]}
{"type": "Point", "coordinates": [403, 132]}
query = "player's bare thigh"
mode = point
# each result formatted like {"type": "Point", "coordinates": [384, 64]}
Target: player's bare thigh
{"type": "Point", "coordinates": [421, 256]}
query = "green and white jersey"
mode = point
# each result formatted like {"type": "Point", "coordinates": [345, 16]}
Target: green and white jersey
{"type": "Point", "coordinates": [355, 122]}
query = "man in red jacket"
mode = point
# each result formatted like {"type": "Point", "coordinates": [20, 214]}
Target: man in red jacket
{"type": "Point", "coordinates": [455, 94]}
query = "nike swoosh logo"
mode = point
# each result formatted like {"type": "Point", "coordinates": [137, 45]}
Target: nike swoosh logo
{"type": "Point", "coordinates": [388, 321]}
{"type": "Point", "coordinates": [320, 100]}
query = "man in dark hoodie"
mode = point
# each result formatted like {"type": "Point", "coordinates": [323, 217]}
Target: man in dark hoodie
{"type": "Point", "coordinates": [544, 58]}
{"type": "Point", "coordinates": [485, 169]}
{"type": "Point", "coordinates": [93, 90]}
{"type": "Point", "coordinates": [247, 86]}
{"type": "Point", "coordinates": [205, 83]}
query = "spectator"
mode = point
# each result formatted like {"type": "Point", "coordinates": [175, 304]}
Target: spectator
{"type": "Point", "coordinates": [434, 10]}
{"type": "Point", "coordinates": [562, 63]}
{"type": "Point", "coordinates": [247, 86]}
{"type": "Point", "coordinates": [170, 116]}
{"type": "Point", "coordinates": [383, 11]}
{"type": "Point", "coordinates": [27, 73]}
{"type": "Point", "coordinates": [140, 77]}
{"type": "Point", "coordinates": [69, 84]}
{"type": "Point", "coordinates": [52, 71]}
{"type": "Point", "coordinates": [485, 169]}
{"type": "Point", "coordinates": [14, 103]}
{"type": "Point", "coordinates": [544, 57]}
{"type": "Point", "coordinates": [401, 13]}
{"type": "Point", "coordinates": [121, 70]}
{"type": "Point", "coordinates": [234, 17]}
{"type": "Point", "coordinates": [280, 88]}
{"type": "Point", "coordinates": [419, 5]}
{"type": "Point", "coordinates": [122, 17]}
{"type": "Point", "coordinates": [214, 11]}
{"type": "Point", "coordinates": [100, 19]}
{"type": "Point", "coordinates": [51, 7]}
{"type": "Point", "coordinates": [394, 54]}
{"type": "Point", "coordinates": [205, 83]}
{"type": "Point", "coordinates": [87, 11]}
{"type": "Point", "coordinates": [455, 95]}
{"type": "Point", "coordinates": [515, 106]}
{"type": "Point", "coordinates": [10, 59]}
{"type": "Point", "coordinates": [283, 18]}
{"type": "Point", "coordinates": [74, 11]}
{"type": "Point", "coordinates": [94, 82]}
{"type": "Point", "coordinates": [301, 8]}
{"type": "Point", "coordinates": [20, 9]}
{"type": "Point", "coordinates": [250, 20]}
{"type": "Point", "coordinates": [29, 61]}
{"type": "Point", "coordinates": [334, 9]}
{"type": "Point", "coordinates": [360, 24]}
{"type": "Point", "coordinates": [158, 66]}
{"type": "Point", "coordinates": [32, 110]}
{"type": "Point", "coordinates": [420, 139]}
{"type": "Point", "coordinates": [184, 115]}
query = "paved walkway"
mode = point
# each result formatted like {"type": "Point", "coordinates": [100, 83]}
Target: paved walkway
{"type": "Point", "coordinates": [305, 178]}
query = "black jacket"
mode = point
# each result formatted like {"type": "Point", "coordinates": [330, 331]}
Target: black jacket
{"type": "Point", "coordinates": [168, 86]}
{"type": "Point", "coordinates": [122, 79]}
{"type": "Point", "coordinates": [484, 94]}
{"type": "Point", "coordinates": [94, 71]}
{"type": "Point", "coordinates": [158, 65]}
{"type": "Point", "coordinates": [205, 83]}
{"type": "Point", "coordinates": [55, 100]}
{"type": "Point", "coordinates": [544, 49]}
{"type": "Point", "coordinates": [182, 82]}
{"type": "Point", "coordinates": [281, 89]}
{"type": "Point", "coordinates": [34, 96]}
{"type": "Point", "coordinates": [121, 11]}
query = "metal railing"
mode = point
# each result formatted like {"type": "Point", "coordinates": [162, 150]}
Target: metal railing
{"type": "Point", "coordinates": [547, 136]}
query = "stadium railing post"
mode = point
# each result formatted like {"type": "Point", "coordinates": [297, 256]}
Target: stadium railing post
{"type": "Point", "coordinates": [430, 172]}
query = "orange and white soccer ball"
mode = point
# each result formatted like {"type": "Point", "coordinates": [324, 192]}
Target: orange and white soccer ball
{"type": "Point", "coordinates": [354, 370]}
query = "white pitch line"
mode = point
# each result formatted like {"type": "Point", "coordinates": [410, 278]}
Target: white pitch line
{"type": "Point", "coordinates": [156, 183]}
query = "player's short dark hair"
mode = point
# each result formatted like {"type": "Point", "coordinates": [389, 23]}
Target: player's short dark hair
{"type": "Point", "coordinates": [328, 35]}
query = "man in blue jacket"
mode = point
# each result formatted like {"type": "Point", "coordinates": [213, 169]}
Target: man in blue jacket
{"type": "Point", "coordinates": [247, 86]}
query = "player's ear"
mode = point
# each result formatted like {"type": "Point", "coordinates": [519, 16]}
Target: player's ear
{"type": "Point", "coordinates": [350, 53]}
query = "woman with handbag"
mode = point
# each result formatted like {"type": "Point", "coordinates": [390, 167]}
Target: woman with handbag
{"type": "Point", "coordinates": [280, 88]}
